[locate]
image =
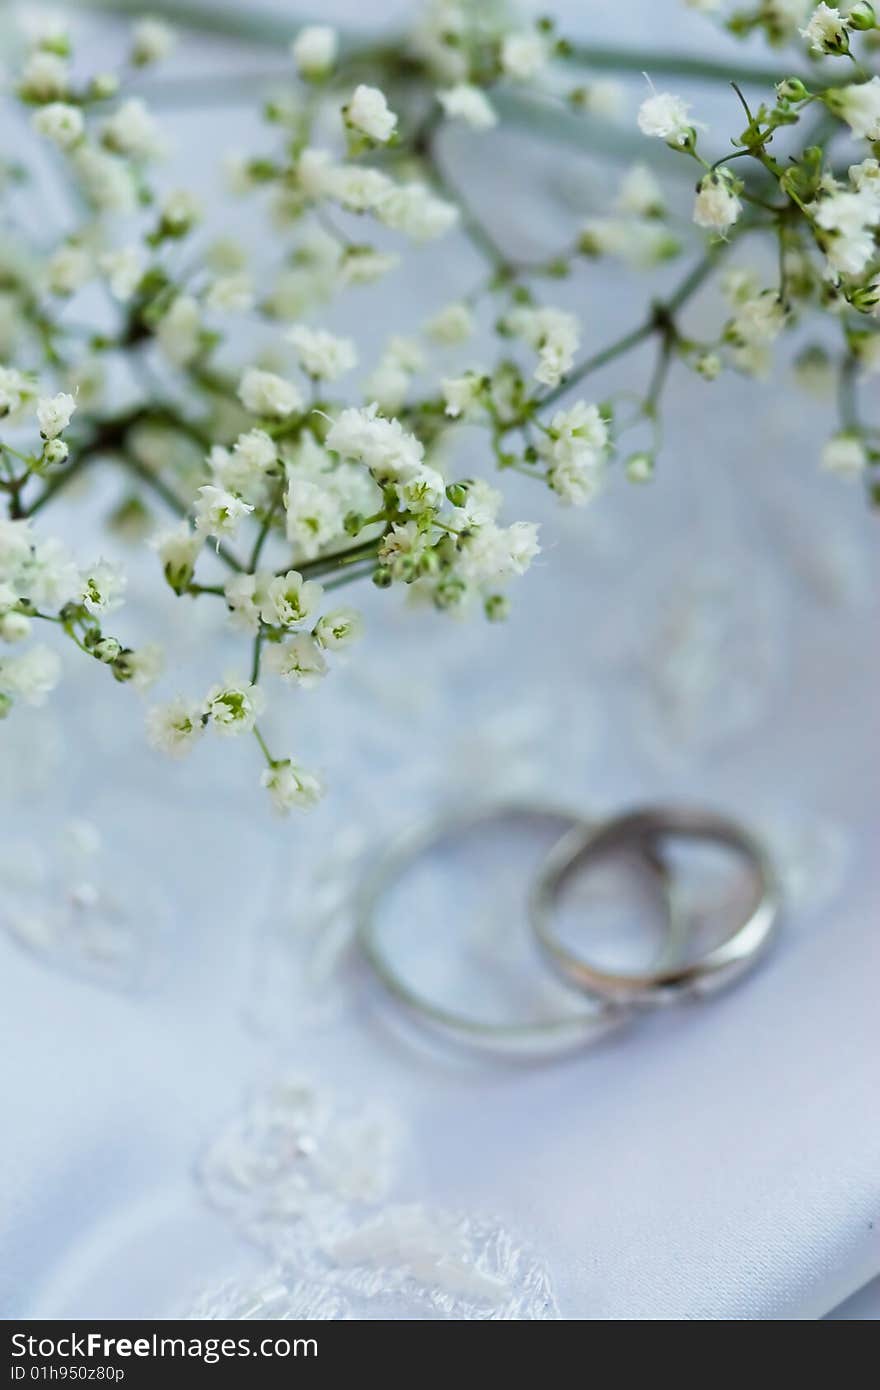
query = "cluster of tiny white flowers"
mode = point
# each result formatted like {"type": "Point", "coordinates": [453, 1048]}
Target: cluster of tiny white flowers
{"type": "Point", "coordinates": [301, 467]}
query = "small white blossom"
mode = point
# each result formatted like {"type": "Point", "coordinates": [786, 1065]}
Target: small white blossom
{"type": "Point", "coordinates": [368, 112]}
{"type": "Point", "coordinates": [290, 599]}
{"type": "Point", "coordinates": [361, 265]}
{"type": "Point", "coordinates": [666, 117]}
{"type": "Point", "coordinates": [469, 104]}
{"type": "Point", "coordinates": [144, 666]}
{"type": "Point", "coordinates": [845, 455]}
{"type": "Point", "coordinates": [234, 707]}
{"type": "Point", "coordinates": [291, 786]}
{"type": "Point", "coordinates": [46, 77]}
{"type": "Point", "coordinates": [218, 512]}
{"type": "Point", "coordinates": [179, 331]}
{"type": "Point", "coordinates": [859, 105]}
{"type": "Point", "coordinates": [31, 676]}
{"type": "Point", "coordinates": [68, 269]}
{"type": "Point", "coordinates": [175, 727]}
{"type": "Point", "coordinates": [264, 393]}
{"type": "Point", "coordinates": [132, 131]}
{"type": "Point", "coordinates": [454, 324]}
{"type": "Point", "coordinates": [245, 594]}
{"type": "Point", "coordinates": [464, 395]}
{"type": "Point", "coordinates": [555, 336]}
{"type": "Point", "coordinates": [103, 587]}
{"type": "Point", "coordinates": [339, 628]}
{"type": "Point", "coordinates": [850, 219]}
{"type": "Point", "coordinates": [578, 432]}
{"type": "Point", "coordinates": [716, 206]}
{"type": "Point", "coordinates": [124, 270]}
{"type": "Point", "coordinates": [523, 55]}
{"type": "Point", "coordinates": [180, 210]}
{"type": "Point", "coordinates": [60, 123]}
{"type": "Point", "coordinates": [178, 549]}
{"type": "Point", "coordinates": [16, 391]}
{"type": "Point", "coordinates": [493, 554]}
{"type": "Point", "coordinates": [231, 294]}
{"type": "Point", "coordinates": [416, 212]}
{"type": "Point", "coordinates": [387, 449]}
{"type": "Point", "coordinates": [314, 50]}
{"type": "Point", "coordinates": [826, 31]}
{"type": "Point", "coordinates": [322, 355]}
{"type": "Point", "coordinates": [576, 481]}
{"type": "Point", "coordinates": [151, 42]}
{"type": "Point", "coordinates": [640, 194]}
{"type": "Point", "coordinates": [299, 660]}
{"type": "Point", "coordinates": [54, 414]}
{"type": "Point", "coordinates": [105, 178]}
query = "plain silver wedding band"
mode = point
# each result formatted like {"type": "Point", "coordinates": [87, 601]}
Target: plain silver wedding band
{"type": "Point", "coordinates": [644, 828]}
{"type": "Point", "coordinates": [533, 1037]}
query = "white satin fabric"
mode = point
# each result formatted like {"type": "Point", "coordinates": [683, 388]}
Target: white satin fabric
{"type": "Point", "coordinates": [711, 637]}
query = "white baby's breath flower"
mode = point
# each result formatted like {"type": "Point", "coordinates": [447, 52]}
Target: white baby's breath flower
{"type": "Point", "coordinates": [314, 50]}
{"type": "Point", "coordinates": [46, 77]}
{"type": "Point", "coordinates": [859, 105]}
{"type": "Point", "coordinates": [60, 123]}
{"type": "Point", "coordinates": [54, 414]}
{"type": "Point", "coordinates": [453, 325]}
{"type": "Point", "coordinates": [845, 455]}
{"type": "Point", "coordinates": [178, 549]}
{"type": "Point", "coordinates": [387, 449]}
{"type": "Point", "coordinates": [234, 707]}
{"type": "Point", "coordinates": [493, 554]}
{"type": "Point", "coordinates": [103, 587]}
{"type": "Point", "coordinates": [368, 113]}
{"type": "Point", "coordinates": [31, 676]}
{"type": "Point", "coordinates": [578, 432]}
{"type": "Point", "coordinates": [290, 785]}
{"type": "Point", "coordinates": [467, 103]}
{"type": "Point", "coordinates": [717, 206]}
{"type": "Point", "coordinates": [151, 42]}
{"type": "Point", "coordinates": [298, 659]}
{"type": "Point", "coordinates": [142, 667]}
{"type": "Point", "coordinates": [179, 211]}
{"type": "Point", "coordinates": [339, 628]}
{"type": "Point", "coordinates": [322, 355]}
{"type": "Point", "coordinates": [106, 179]}
{"type": "Point", "coordinates": [68, 269]}
{"type": "Point", "coordinates": [132, 131]}
{"type": "Point", "coordinates": [826, 31]}
{"type": "Point", "coordinates": [174, 728]}
{"type": "Point", "coordinates": [666, 117]}
{"type": "Point", "coordinates": [124, 270]}
{"type": "Point", "coordinates": [464, 395]}
{"type": "Point", "coordinates": [523, 54]}
{"type": "Point", "coordinates": [179, 331]}
{"type": "Point", "coordinates": [290, 599]}
{"type": "Point", "coordinates": [264, 393]}
{"type": "Point", "coordinates": [415, 211]}
{"type": "Point", "coordinates": [640, 193]}
{"type": "Point", "coordinates": [555, 336]}
{"type": "Point", "coordinates": [576, 481]}
{"type": "Point", "coordinates": [361, 265]}
{"type": "Point", "coordinates": [231, 294]}
{"type": "Point", "coordinates": [245, 594]}
{"type": "Point", "coordinates": [218, 512]}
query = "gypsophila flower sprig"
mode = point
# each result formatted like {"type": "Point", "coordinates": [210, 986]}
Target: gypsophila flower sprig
{"type": "Point", "coordinates": [273, 461]}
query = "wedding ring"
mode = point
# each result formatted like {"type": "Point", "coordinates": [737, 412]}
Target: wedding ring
{"type": "Point", "coordinates": [531, 1037]}
{"type": "Point", "coordinates": [645, 828]}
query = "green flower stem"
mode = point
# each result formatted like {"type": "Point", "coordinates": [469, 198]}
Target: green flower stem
{"type": "Point", "coordinates": [258, 651]}
{"type": "Point", "coordinates": [272, 762]}
{"type": "Point", "coordinates": [658, 321]}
